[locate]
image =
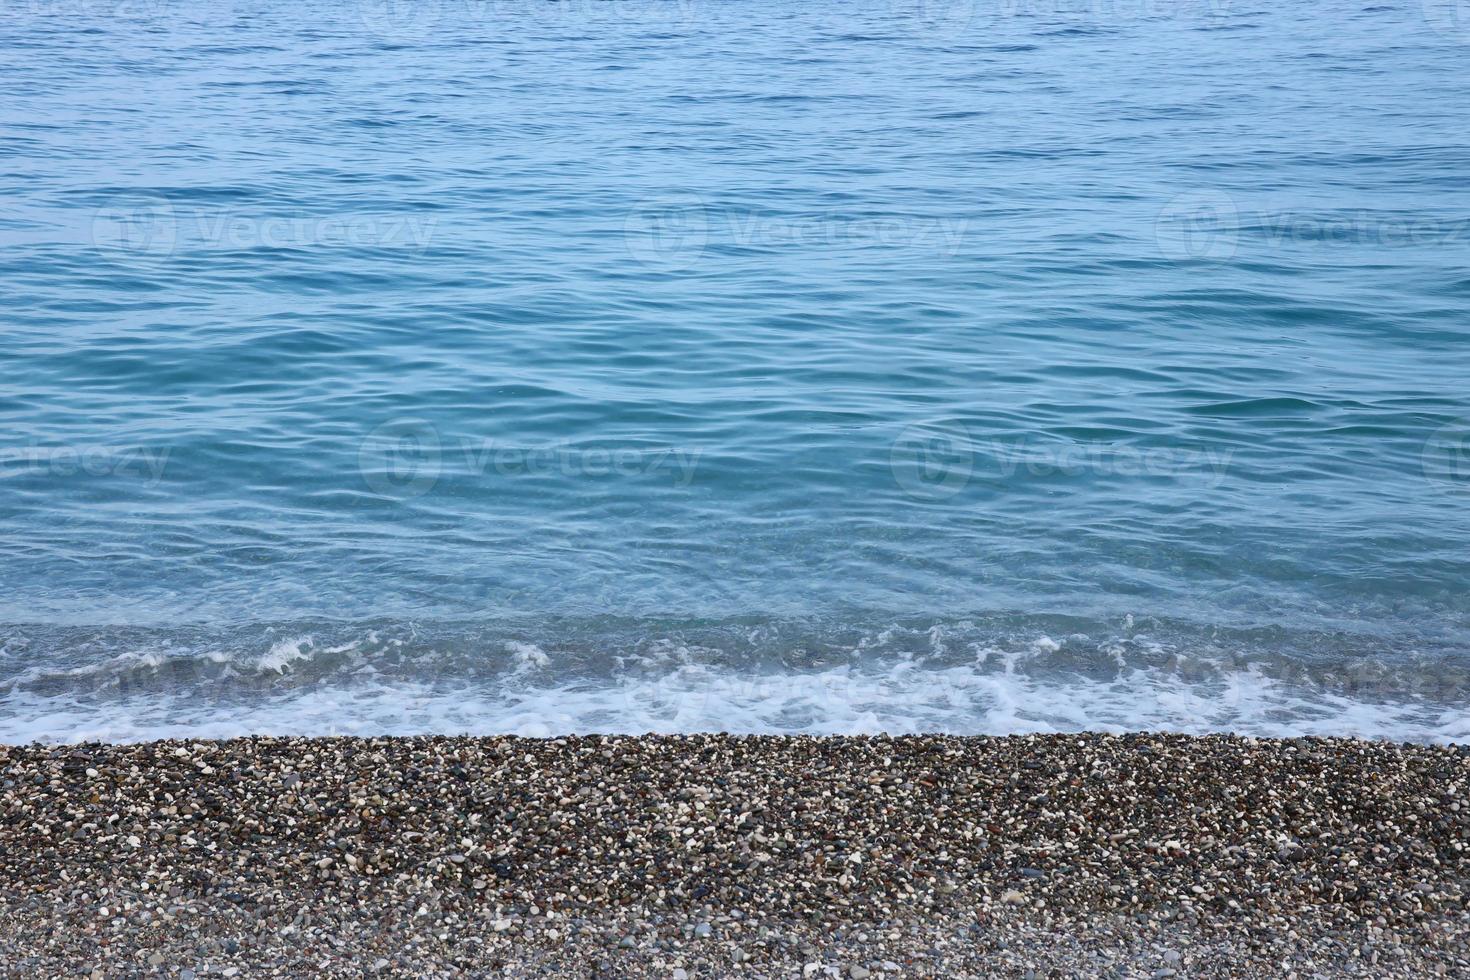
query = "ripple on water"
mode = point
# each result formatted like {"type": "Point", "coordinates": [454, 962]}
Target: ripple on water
{"type": "Point", "coordinates": [407, 315]}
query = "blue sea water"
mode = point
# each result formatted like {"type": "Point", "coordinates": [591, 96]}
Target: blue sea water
{"type": "Point", "coordinates": [958, 365]}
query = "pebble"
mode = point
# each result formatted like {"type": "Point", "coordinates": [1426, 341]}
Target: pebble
{"type": "Point", "coordinates": [809, 855]}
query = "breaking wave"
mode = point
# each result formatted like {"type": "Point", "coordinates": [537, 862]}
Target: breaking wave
{"type": "Point", "coordinates": [992, 676]}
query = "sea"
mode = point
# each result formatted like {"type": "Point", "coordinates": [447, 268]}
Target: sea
{"type": "Point", "coordinates": [967, 366]}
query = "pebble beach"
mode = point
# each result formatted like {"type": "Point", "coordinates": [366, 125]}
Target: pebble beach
{"type": "Point", "coordinates": [710, 856]}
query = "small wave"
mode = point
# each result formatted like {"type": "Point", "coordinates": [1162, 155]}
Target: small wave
{"type": "Point", "coordinates": [960, 677]}
{"type": "Point", "coordinates": [847, 700]}
{"type": "Point", "coordinates": [284, 653]}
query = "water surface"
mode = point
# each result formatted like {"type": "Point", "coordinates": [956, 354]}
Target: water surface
{"type": "Point", "coordinates": [760, 366]}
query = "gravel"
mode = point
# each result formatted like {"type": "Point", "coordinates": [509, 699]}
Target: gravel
{"type": "Point", "coordinates": [713, 856]}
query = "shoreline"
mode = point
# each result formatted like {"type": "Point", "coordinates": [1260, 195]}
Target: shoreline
{"type": "Point", "coordinates": [712, 855]}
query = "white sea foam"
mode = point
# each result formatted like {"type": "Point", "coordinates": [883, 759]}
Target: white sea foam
{"type": "Point", "coordinates": [283, 653]}
{"type": "Point", "coordinates": [527, 655]}
{"type": "Point", "coordinates": [674, 691]}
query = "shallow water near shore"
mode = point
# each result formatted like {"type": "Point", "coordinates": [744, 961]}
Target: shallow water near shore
{"type": "Point", "coordinates": [964, 367]}
{"type": "Point", "coordinates": [746, 676]}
